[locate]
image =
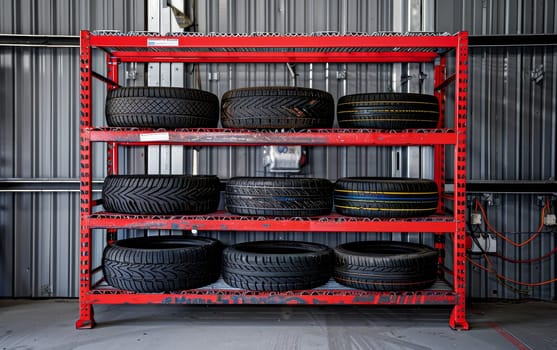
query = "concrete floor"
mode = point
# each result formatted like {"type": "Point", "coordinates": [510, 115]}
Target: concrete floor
{"type": "Point", "coordinates": [49, 324]}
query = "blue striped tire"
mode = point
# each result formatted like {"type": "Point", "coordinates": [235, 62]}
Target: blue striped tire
{"type": "Point", "coordinates": [385, 197]}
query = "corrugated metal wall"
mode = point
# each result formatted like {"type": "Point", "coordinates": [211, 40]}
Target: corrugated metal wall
{"type": "Point", "coordinates": [512, 130]}
{"type": "Point", "coordinates": [512, 118]}
{"type": "Point", "coordinates": [39, 139]}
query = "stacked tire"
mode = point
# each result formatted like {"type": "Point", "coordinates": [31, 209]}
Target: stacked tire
{"type": "Point", "coordinates": [297, 197]}
{"type": "Point", "coordinates": [292, 265]}
{"type": "Point", "coordinates": [385, 266]}
{"type": "Point", "coordinates": [161, 194]}
{"type": "Point", "coordinates": [394, 111]}
{"type": "Point", "coordinates": [161, 107]}
{"type": "Point", "coordinates": [277, 108]}
{"type": "Point", "coordinates": [277, 265]}
{"type": "Point", "coordinates": [385, 197]}
{"type": "Point", "coordinates": [162, 263]}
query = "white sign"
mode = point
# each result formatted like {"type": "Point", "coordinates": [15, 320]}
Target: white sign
{"type": "Point", "coordinates": [162, 42]}
{"type": "Point", "coordinates": [158, 136]}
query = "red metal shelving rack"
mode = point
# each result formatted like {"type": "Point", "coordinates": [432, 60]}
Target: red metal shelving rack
{"type": "Point", "coordinates": [432, 48]}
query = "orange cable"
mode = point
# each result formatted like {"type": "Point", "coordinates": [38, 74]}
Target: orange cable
{"type": "Point", "coordinates": [477, 265]}
{"type": "Point", "coordinates": [491, 268]}
{"type": "Point", "coordinates": [502, 236]}
{"type": "Point", "coordinates": [534, 284]}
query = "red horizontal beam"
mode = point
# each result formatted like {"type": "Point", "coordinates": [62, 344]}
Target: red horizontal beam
{"type": "Point", "coordinates": [273, 57]}
{"type": "Point", "coordinates": [243, 42]}
{"type": "Point", "coordinates": [313, 297]}
{"type": "Point", "coordinates": [214, 137]}
{"type": "Point", "coordinates": [226, 222]}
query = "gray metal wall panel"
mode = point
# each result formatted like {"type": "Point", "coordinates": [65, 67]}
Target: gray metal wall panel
{"type": "Point", "coordinates": [512, 131]}
{"type": "Point", "coordinates": [39, 138]}
{"type": "Point", "coordinates": [6, 245]}
{"type": "Point", "coordinates": [487, 17]}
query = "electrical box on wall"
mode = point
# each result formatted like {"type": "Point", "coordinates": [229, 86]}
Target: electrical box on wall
{"type": "Point", "coordinates": [487, 243]}
{"type": "Point", "coordinates": [550, 220]}
{"type": "Point", "coordinates": [284, 159]}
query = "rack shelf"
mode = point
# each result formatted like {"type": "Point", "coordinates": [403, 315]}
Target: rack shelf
{"type": "Point", "coordinates": [310, 137]}
{"type": "Point", "coordinates": [219, 293]}
{"type": "Point", "coordinates": [224, 221]}
{"type": "Point", "coordinates": [331, 293]}
{"type": "Point", "coordinates": [431, 48]}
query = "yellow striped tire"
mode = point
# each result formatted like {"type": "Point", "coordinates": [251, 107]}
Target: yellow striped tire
{"type": "Point", "coordinates": [385, 197]}
{"type": "Point", "coordinates": [388, 111]}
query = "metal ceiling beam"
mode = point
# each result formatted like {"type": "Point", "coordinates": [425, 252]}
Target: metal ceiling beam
{"type": "Point", "coordinates": [515, 40]}
{"type": "Point", "coordinates": [511, 186]}
{"type": "Point", "coordinates": [25, 40]}
{"type": "Point", "coordinates": [518, 40]}
{"type": "Point", "coordinates": [44, 185]}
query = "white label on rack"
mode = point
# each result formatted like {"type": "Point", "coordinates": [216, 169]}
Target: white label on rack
{"type": "Point", "coordinates": [158, 136]}
{"type": "Point", "coordinates": [162, 42]}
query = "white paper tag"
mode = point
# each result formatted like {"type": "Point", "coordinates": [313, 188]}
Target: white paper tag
{"type": "Point", "coordinates": [162, 42]}
{"type": "Point", "coordinates": [158, 136]}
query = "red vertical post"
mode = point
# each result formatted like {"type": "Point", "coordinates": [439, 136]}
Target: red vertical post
{"type": "Point", "coordinates": [112, 147]}
{"type": "Point", "coordinates": [86, 319]}
{"type": "Point", "coordinates": [440, 75]}
{"type": "Point", "coordinates": [458, 315]}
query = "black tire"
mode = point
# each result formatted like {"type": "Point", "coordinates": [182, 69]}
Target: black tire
{"type": "Point", "coordinates": [277, 265]}
{"type": "Point", "coordinates": [162, 263]}
{"type": "Point", "coordinates": [385, 197]}
{"type": "Point", "coordinates": [384, 266]}
{"type": "Point", "coordinates": [277, 108]}
{"type": "Point", "coordinates": [161, 194]}
{"type": "Point", "coordinates": [279, 196]}
{"type": "Point", "coordinates": [388, 111]}
{"type": "Point", "coordinates": [161, 107]}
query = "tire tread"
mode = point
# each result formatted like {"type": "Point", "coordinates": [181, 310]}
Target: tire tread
{"type": "Point", "coordinates": [367, 265]}
{"type": "Point", "coordinates": [161, 107]}
{"type": "Point", "coordinates": [277, 108]}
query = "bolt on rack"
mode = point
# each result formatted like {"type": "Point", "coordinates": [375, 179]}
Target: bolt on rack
{"type": "Point", "coordinates": [431, 48]}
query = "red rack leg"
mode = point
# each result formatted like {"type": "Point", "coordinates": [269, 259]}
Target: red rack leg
{"type": "Point", "coordinates": [458, 316]}
{"type": "Point", "coordinates": [112, 168]}
{"type": "Point", "coordinates": [440, 75]}
{"type": "Point", "coordinates": [86, 319]}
